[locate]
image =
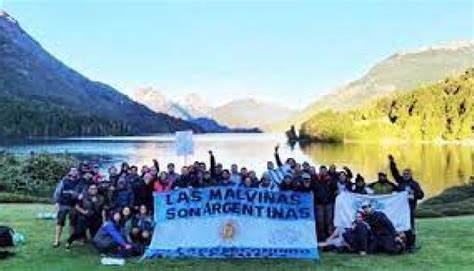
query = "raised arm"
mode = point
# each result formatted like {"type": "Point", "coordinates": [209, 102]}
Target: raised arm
{"type": "Point", "coordinates": [213, 164]}
{"type": "Point", "coordinates": [277, 156]}
{"type": "Point", "coordinates": [157, 165]}
{"type": "Point", "coordinates": [393, 169]}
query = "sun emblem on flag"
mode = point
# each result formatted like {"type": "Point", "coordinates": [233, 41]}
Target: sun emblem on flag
{"type": "Point", "coordinates": [228, 230]}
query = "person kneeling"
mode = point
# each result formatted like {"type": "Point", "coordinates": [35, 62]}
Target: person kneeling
{"type": "Point", "coordinates": [108, 240]}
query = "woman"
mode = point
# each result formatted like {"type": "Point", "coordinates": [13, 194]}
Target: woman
{"type": "Point", "coordinates": [109, 240]}
{"type": "Point", "coordinates": [163, 184]}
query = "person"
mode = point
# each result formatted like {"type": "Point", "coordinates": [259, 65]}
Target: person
{"type": "Point", "coordinates": [215, 169]}
{"type": "Point", "coordinates": [225, 179]}
{"type": "Point", "coordinates": [163, 184]}
{"type": "Point", "coordinates": [127, 223]}
{"type": "Point", "coordinates": [145, 225]}
{"type": "Point", "coordinates": [122, 195]}
{"type": "Point", "coordinates": [96, 174]}
{"type": "Point", "coordinates": [247, 183]}
{"type": "Point", "coordinates": [235, 176]}
{"type": "Point", "coordinates": [286, 184]}
{"type": "Point", "coordinates": [90, 210]}
{"type": "Point", "coordinates": [357, 237]}
{"type": "Point", "coordinates": [275, 175]}
{"type": "Point", "coordinates": [172, 175]}
{"type": "Point", "coordinates": [266, 183]}
{"type": "Point", "coordinates": [65, 197]}
{"type": "Point", "coordinates": [136, 184]}
{"type": "Point", "coordinates": [382, 185]}
{"type": "Point", "coordinates": [146, 194]}
{"type": "Point", "coordinates": [108, 239]}
{"type": "Point", "coordinates": [386, 238]}
{"type": "Point", "coordinates": [344, 178]}
{"type": "Point", "coordinates": [306, 185]}
{"type": "Point", "coordinates": [184, 180]}
{"type": "Point", "coordinates": [289, 166]}
{"type": "Point", "coordinates": [124, 169]}
{"type": "Point", "coordinates": [405, 182]}
{"type": "Point", "coordinates": [360, 187]}
{"type": "Point", "coordinates": [324, 191]}
{"type": "Point", "coordinates": [113, 175]}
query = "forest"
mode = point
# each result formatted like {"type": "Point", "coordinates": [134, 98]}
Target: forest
{"type": "Point", "coordinates": [443, 111]}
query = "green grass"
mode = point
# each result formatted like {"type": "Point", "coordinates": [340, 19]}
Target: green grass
{"type": "Point", "coordinates": [447, 244]}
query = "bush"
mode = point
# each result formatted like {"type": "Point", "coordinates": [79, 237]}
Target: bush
{"type": "Point", "coordinates": [454, 201]}
{"type": "Point", "coordinates": [36, 175]}
{"type": "Point", "coordinates": [21, 198]}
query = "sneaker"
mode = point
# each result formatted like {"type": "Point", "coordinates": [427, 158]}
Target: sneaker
{"type": "Point", "coordinates": [56, 244]}
{"type": "Point", "coordinates": [68, 246]}
{"type": "Point", "coordinates": [112, 261]}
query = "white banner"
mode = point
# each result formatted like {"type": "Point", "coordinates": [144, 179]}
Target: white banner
{"type": "Point", "coordinates": [228, 222]}
{"type": "Point", "coordinates": [395, 206]}
{"type": "Point", "coordinates": [184, 143]}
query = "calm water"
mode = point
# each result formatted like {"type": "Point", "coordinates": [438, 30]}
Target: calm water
{"type": "Point", "coordinates": [436, 166]}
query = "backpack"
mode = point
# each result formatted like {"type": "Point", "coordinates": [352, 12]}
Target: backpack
{"type": "Point", "coordinates": [6, 236]}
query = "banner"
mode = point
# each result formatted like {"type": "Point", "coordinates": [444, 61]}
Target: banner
{"type": "Point", "coordinates": [223, 222]}
{"type": "Point", "coordinates": [184, 143]}
{"type": "Point", "coordinates": [395, 206]}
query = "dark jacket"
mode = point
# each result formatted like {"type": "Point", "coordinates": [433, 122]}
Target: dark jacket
{"type": "Point", "coordinates": [324, 189]}
{"type": "Point", "coordinates": [407, 185]}
{"type": "Point", "coordinates": [123, 196]}
{"type": "Point", "coordinates": [380, 224]}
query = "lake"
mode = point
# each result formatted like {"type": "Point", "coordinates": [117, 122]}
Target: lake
{"type": "Point", "coordinates": [437, 167]}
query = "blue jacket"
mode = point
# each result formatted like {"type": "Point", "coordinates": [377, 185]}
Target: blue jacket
{"type": "Point", "coordinates": [109, 235]}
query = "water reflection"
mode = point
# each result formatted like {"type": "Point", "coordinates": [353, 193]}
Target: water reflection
{"type": "Point", "coordinates": [437, 167]}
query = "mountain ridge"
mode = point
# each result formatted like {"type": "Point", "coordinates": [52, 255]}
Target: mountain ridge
{"type": "Point", "coordinates": [30, 72]}
{"type": "Point", "coordinates": [398, 72]}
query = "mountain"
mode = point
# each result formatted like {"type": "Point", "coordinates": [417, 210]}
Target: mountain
{"type": "Point", "coordinates": [212, 126]}
{"type": "Point", "coordinates": [29, 74]}
{"type": "Point", "coordinates": [194, 110]}
{"type": "Point", "coordinates": [440, 111]}
{"type": "Point", "coordinates": [243, 114]}
{"type": "Point", "coordinates": [158, 102]}
{"type": "Point", "coordinates": [400, 71]}
{"type": "Point", "coordinates": [250, 113]}
{"type": "Point", "coordinates": [196, 105]}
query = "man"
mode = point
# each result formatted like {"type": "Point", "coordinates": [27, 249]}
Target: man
{"type": "Point", "coordinates": [225, 179]}
{"type": "Point", "coordinates": [184, 180]}
{"type": "Point", "coordinates": [290, 164]}
{"type": "Point", "coordinates": [65, 196]}
{"type": "Point", "coordinates": [382, 185]}
{"type": "Point", "coordinates": [324, 191]}
{"type": "Point", "coordinates": [235, 176]}
{"type": "Point", "coordinates": [405, 182]}
{"type": "Point", "coordinates": [172, 175]}
{"type": "Point", "coordinates": [216, 169]}
{"type": "Point", "coordinates": [359, 187]}
{"type": "Point", "coordinates": [136, 184]}
{"type": "Point", "coordinates": [385, 236]}
{"type": "Point", "coordinates": [90, 209]}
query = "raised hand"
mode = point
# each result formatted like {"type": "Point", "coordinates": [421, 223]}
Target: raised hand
{"type": "Point", "coordinates": [390, 158]}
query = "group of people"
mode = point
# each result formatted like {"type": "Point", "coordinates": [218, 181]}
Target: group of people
{"type": "Point", "coordinates": [115, 211]}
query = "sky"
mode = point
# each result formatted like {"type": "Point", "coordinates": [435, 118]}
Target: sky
{"type": "Point", "coordinates": [287, 52]}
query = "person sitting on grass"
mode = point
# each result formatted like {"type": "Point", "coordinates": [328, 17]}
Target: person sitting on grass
{"type": "Point", "coordinates": [109, 240]}
{"type": "Point", "coordinates": [354, 239]}
{"type": "Point", "coordinates": [386, 238]}
{"type": "Point", "coordinates": [145, 225]}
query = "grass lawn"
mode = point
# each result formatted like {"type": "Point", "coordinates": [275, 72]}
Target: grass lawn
{"type": "Point", "coordinates": [447, 244]}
